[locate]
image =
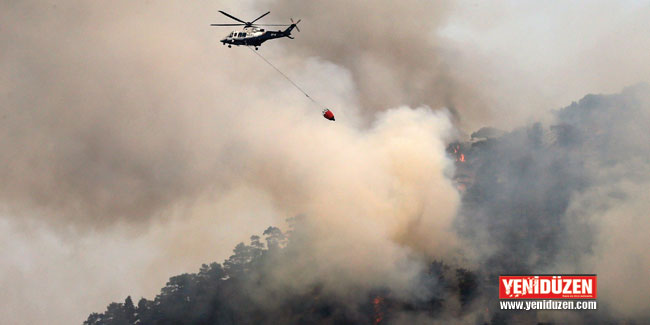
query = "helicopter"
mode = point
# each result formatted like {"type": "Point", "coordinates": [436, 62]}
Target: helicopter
{"type": "Point", "coordinates": [252, 34]}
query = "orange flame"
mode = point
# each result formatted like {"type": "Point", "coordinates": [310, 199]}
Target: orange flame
{"type": "Point", "coordinates": [460, 157]}
{"type": "Point", "coordinates": [379, 314]}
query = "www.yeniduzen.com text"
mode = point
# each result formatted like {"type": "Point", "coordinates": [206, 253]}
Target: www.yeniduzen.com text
{"type": "Point", "coordinates": [547, 305]}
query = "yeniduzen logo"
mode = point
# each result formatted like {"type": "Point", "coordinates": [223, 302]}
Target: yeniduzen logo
{"type": "Point", "coordinates": [548, 286]}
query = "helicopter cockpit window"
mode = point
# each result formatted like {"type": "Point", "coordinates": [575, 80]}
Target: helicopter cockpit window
{"type": "Point", "coordinates": [261, 30]}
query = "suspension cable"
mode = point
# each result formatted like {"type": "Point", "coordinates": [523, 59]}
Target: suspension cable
{"type": "Point", "coordinates": [286, 77]}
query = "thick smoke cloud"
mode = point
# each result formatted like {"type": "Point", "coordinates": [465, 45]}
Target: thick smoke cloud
{"type": "Point", "coordinates": [371, 206]}
{"type": "Point", "coordinates": [98, 125]}
{"type": "Point", "coordinates": [135, 147]}
{"type": "Point", "coordinates": [130, 143]}
{"type": "Point", "coordinates": [391, 49]}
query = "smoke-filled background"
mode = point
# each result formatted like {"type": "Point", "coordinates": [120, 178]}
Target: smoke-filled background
{"type": "Point", "coordinates": [134, 147]}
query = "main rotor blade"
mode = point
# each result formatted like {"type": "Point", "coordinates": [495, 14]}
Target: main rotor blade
{"type": "Point", "coordinates": [233, 17]}
{"type": "Point", "coordinates": [258, 18]}
{"type": "Point", "coordinates": [227, 24]}
{"type": "Point", "coordinates": [272, 25]}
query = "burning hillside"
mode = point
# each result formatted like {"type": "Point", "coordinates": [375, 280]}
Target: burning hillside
{"type": "Point", "coordinates": [564, 198]}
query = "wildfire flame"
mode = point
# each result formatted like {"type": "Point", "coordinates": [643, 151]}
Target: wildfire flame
{"type": "Point", "coordinates": [460, 157]}
{"type": "Point", "coordinates": [379, 313]}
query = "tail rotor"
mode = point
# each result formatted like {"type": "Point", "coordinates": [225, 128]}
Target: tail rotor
{"type": "Point", "coordinates": [295, 24]}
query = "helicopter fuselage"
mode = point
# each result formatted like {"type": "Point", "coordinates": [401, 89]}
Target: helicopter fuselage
{"type": "Point", "coordinates": [254, 36]}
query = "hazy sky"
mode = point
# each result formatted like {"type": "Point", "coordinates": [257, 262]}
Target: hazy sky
{"type": "Point", "coordinates": [136, 147]}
